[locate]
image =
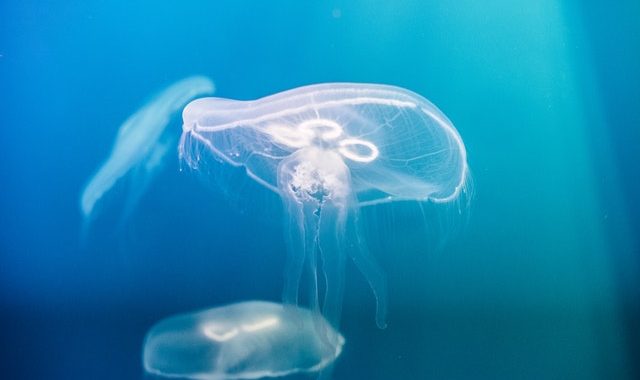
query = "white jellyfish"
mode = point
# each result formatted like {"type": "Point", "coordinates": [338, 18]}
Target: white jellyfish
{"type": "Point", "coordinates": [246, 340]}
{"type": "Point", "coordinates": [329, 150]}
{"type": "Point", "coordinates": [143, 142]}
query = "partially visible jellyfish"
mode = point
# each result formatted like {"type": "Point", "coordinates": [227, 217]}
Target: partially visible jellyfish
{"type": "Point", "coordinates": [329, 150]}
{"type": "Point", "coordinates": [142, 143]}
{"type": "Point", "coordinates": [246, 340]}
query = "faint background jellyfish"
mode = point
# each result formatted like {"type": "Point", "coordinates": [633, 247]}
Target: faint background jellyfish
{"type": "Point", "coordinates": [328, 150]}
{"type": "Point", "coordinates": [142, 143]}
{"type": "Point", "coordinates": [246, 340]}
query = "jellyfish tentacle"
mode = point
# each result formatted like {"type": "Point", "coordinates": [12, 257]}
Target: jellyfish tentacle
{"type": "Point", "coordinates": [310, 252]}
{"type": "Point", "coordinates": [294, 232]}
{"type": "Point", "coordinates": [332, 251]}
{"type": "Point", "coordinates": [368, 266]}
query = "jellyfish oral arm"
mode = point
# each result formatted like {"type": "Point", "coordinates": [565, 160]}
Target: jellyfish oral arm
{"type": "Point", "coordinates": [301, 226]}
{"type": "Point", "coordinates": [322, 221]}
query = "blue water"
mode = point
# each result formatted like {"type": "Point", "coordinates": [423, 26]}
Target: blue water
{"type": "Point", "coordinates": [542, 281]}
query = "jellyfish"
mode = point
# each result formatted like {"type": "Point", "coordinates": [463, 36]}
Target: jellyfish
{"type": "Point", "coordinates": [246, 340]}
{"type": "Point", "coordinates": [329, 150]}
{"type": "Point", "coordinates": [142, 143]}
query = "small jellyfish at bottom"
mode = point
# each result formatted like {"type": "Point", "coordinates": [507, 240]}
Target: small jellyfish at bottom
{"type": "Point", "coordinates": [246, 340]}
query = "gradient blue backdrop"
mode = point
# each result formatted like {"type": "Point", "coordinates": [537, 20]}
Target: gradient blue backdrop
{"type": "Point", "coordinates": [543, 282]}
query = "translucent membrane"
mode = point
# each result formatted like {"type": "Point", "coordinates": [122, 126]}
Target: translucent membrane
{"type": "Point", "coordinates": [246, 340]}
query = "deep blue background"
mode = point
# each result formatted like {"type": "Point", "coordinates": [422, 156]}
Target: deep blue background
{"type": "Point", "coordinates": [542, 283]}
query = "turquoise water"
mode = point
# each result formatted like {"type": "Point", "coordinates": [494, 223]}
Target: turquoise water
{"type": "Point", "coordinates": [540, 281]}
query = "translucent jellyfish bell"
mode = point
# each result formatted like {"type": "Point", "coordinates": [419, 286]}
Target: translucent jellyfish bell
{"type": "Point", "coordinates": [328, 150]}
{"type": "Point", "coordinates": [246, 340]}
{"type": "Point", "coordinates": [142, 142]}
